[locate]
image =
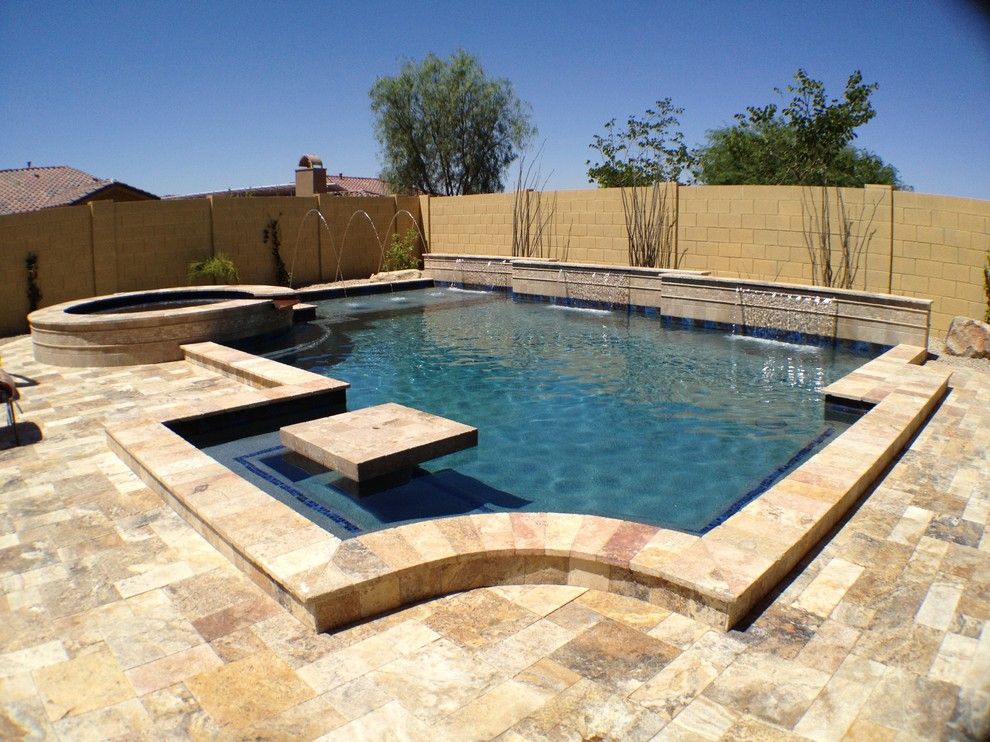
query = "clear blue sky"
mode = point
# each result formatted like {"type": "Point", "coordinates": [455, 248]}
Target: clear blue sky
{"type": "Point", "coordinates": [179, 97]}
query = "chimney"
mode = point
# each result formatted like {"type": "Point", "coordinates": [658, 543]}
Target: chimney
{"type": "Point", "coordinates": [311, 176]}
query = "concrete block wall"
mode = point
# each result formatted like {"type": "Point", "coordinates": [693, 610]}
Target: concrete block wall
{"type": "Point", "coordinates": [154, 241]}
{"type": "Point", "coordinates": [588, 226]}
{"type": "Point", "coordinates": [355, 246]}
{"type": "Point", "coordinates": [107, 247]}
{"type": "Point", "coordinates": [761, 232]}
{"type": "Point", "coordinates": [939, 248]}
{"type": "Point", "coordinates": [62, 240]}
{"type": "Point", "coordinates": [238, 229]}
{"type": "Point", "coordinates": [472, 225]}
{"type": "Point", "coordinates": [917, 245]}
{"type": "Point", "coordinates": [922, 245]}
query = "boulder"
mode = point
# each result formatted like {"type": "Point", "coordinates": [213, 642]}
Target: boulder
{"type": "Point", "coordinates": [406, 275]}
{"type": "Point", "coordinates": [968, 337]}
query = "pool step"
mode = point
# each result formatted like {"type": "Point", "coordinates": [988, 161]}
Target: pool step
{"type": "Point", "coordinates": [874, 380]}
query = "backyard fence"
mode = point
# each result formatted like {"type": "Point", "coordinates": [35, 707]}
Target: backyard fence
{"type": "Point", "coordinates": [913, 244]}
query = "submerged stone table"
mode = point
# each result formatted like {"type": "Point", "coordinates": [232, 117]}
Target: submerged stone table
{"type": "Point", "coordinates": [375, 441]}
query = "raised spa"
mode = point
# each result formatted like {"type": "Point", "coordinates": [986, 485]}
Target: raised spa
{"type": "Point", "coordinates": [150, 326]}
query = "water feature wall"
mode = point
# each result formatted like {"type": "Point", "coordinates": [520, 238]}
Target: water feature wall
{"type": "Point", "coordinates": [785, 311]}
{"type": "Point", "coordinates": [693, 295]}
{"type": "Point", "coordinates": [478, 271]}
{"type": "Point", "coordinates": [812, 310]}
{"type": "Point", "coordinates": [566, 282]}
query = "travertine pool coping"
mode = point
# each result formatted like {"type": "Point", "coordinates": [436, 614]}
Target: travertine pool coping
{"type": "Point", "coordinates": [101, 331]}
{"type": "Point", "coordinates": [327, 582]}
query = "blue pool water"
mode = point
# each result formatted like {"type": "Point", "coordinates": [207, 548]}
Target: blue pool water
{"type": "Point", "coordinates": [580, 411]}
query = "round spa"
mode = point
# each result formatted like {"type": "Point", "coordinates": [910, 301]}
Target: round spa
{"type": "Point", "coordinates": [149, 326]}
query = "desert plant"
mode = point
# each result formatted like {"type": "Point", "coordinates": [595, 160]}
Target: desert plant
{"type": "Point", "coordinates": [271, 235]}
{"type": "Point", "coordinates": [651, 224]}
{"type": "Point", "coordinates": [534, 216]}
{"type": "Point", "coordinates": [216, 269]}
{"type": "Point", "coordinates": [642, 160]}
{"type": "Point", "coordinates": [986, 286]}
{"type": "Point", "coordinates": [401, 252]}
{"type": "Point", "coordinates": [852, 234]}
{"type": "Point", "coordinates": [33, 291]}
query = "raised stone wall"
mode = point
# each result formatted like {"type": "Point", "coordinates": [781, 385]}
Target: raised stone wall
{"type": "Point", "coordinates": [846, 315]}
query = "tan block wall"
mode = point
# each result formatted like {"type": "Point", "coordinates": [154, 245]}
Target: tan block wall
{"type": "Point", "coordinates": [759, 232]}
{"type": "Point", "coordinates": [940, 245]}
{"type": "Point", "coordinates": [106, 247]}
{"type": "Point", "coordinates": [923, 245]}
{"type": "Point", "coordinates": [238, 229]}
{"type": "Point", "coordinates": [472, 225]}
{"type": "Point", "coordinates": [355, 248]}
{"type": "Point", "coordinates": [156, 240]}
{"type": "Point", "coordinates": [62, 240]}
{"type": "Point", "coordinates": [588, 225]}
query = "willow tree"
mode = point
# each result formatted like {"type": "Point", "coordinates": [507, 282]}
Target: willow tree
{"type": "Point", "coordinates": [447, 129]}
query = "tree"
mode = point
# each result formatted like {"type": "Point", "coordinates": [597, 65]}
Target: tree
{"type": "Point", "coordinates": [648, 150]}
{"type": "Point", "coordinates": [640, 160]}
{"type": "Point", "coordinates": [808, 142]}
{"type": "Point", "coordinates": [447, 129]}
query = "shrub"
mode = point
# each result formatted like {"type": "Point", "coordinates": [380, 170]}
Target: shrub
{"type": "Point", "coordinates": [271, 235]}
{"type": "Point", "coordinates": [215, 269]}
{"type": "Point", "coordinates": [33, 291]}
{"type": "Point", "coordinates": [986, 286]}
{"type": "Point", "coordinates": [401, 252]}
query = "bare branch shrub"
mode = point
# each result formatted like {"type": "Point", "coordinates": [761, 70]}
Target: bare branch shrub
{"type": "Point", "coordinates": [650, 226]}
{"type": "Point", "coordinates": [836, 254]}
{"type": "Point", "coordinates": [534, 217]}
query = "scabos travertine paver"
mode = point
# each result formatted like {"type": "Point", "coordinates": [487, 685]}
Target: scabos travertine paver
{"type": "Point", "coordinates": [118, 619]}
{"type": "Point", "coordinates": [375, 441]}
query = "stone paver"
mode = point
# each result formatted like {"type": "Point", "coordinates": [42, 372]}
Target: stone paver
{"type": "Point", "coordinates": [116, 618]}
{"type": "Point", "coordinates": [375, 441]}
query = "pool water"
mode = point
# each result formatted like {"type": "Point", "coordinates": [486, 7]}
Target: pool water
{"type": "Point", "coordinates": [578, 410]}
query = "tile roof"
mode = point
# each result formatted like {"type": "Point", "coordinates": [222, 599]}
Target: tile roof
{"type": "Point", "coordinates": [34, 188]}
{"type": "Point", "coordinates": [359, 186]}
{"type": "Point", "coordinates": [344, 185]}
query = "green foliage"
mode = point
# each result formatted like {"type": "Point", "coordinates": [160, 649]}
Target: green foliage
{"type": "Point", "coordinates": [648, 150]}
{"type": "Point", "coordinates": [808, 142]}
{"type": "Point", "coordinates": [401, 252]}
{"type": "Point", "coordinates": [33, 291]}
{"type": "Point", "coordinates": [271, 235]}
{"type": "Point", "coordinates": [447, 129]}
{"type": "Point", "coordinates": [216, 269]}
{"type": "Point", "coordinates": [639, 159]}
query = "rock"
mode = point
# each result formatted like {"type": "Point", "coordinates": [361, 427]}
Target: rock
{"type": "Point", "coordinates": [968, 337]}
{"type": "Point", "coordinates": [406, 275]}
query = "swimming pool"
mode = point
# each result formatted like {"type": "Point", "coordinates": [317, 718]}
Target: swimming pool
{"type": "Point", "coordinates": [582, 411]}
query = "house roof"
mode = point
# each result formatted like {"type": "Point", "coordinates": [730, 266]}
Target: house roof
{"type": "Point", "coordinates": [359, 186]}
{"type": "Point", "coordinates": [34, 188]}
{"type": "Point", "coordinates": [343, 185]}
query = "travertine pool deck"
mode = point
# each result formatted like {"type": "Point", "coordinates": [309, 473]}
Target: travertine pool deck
{"type": "Point", "coordinates": [118, 618]}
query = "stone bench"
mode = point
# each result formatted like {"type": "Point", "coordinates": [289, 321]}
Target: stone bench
{"type": "Point", "coordinates": [377, 441]}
